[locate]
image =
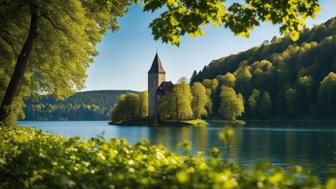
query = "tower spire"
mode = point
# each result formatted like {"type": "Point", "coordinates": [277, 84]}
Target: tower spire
{"type": "Point", "coordinates": [156, 66]}
{"type": "Point", "coordinates": [156, 76]}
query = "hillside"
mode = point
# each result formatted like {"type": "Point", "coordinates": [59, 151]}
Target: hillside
{"type": "Point", "coordinates": [88, 105]}
{"type": "Point", "coordinates": [295, 79]}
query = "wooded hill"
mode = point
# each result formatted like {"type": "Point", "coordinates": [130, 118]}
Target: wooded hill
{"type": "Point", "coordinates": [88, 105]}
{"type": "Point", "coordinates": [281, 78]}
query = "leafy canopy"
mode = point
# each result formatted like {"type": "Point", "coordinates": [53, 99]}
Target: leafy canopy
{"type": "Point", "coordinates": [299, 76]}
{"type": "Point", "coordinates": [67, 34]}
{"type": "Point", "coordinates": [199, 100]}
{"type": "Point", "coordinates": [180, 17]}
{"type": "Point", "coordinates": [232, 104]}
{"type": "Point", "coordinates": [177, 103]}
{"type": "Point", "coordinates": [130, 106]}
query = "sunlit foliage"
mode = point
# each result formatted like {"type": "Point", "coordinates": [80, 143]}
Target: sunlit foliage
{"type": "Point", "coordinates": [182, 17]}
{"type": "Point", "coordinates": [199, 100]}
{"type": "Point", "coordinates": [63, 35]}
{"type": "Point", "coordinates": [212, 92]}
{"type": "Point", "coordinates": [33, 159]}
{"type": "Point", "coordinates": [176, 105]}
{"type": "Point", "coordinates": [292, 78]}
{"type": "Point", "coordinates": [130, 106]}
{"type": "Point", "coordinates": [228, 80]}
{"type": "Point", "coordinates": [232, 104]}
{"type": "Point", "coordinates": [253, 102]}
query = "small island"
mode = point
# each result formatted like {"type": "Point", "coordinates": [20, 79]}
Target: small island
{"type": "Point", "coordinates": [180, 104]}
{"type": "Point", "coordinates": [169, 123]}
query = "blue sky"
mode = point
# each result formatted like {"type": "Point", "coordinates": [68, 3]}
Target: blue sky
{"type": "Point", "coordinates": [126, 56]}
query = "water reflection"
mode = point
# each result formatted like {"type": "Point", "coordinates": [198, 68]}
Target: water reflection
{"type": "Point", "coordinates": [310, 144]}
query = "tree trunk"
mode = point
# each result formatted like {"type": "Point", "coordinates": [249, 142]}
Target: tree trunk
{"type": "Point", "coordinates": [20, 67]}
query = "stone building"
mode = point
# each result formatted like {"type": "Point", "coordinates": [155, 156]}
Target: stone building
{"type": "Point", "coordinates": [157, 86]}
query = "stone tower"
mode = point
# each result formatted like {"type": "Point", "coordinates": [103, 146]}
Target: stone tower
{"type": "Point", "coordinates": [156, 75]}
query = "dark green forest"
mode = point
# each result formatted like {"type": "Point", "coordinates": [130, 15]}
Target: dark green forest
{"type": "Point", "coordinates": [88, 105]}
{"type": "Point", "coordinates": [280, 78]}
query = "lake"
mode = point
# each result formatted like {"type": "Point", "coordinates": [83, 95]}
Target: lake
{"type": "Point", "coordinates": [311, 144]}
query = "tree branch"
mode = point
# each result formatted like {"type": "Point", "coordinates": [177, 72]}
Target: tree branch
{"type": "Point", "coordinates": [10, 44]}
{"type": "Point", "coordinates": [52, 23]}
{"type": "Point", "coordinates": [4, 3]}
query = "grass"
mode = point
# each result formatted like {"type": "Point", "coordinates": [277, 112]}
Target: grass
{"type": "Point", "coordinates": [196, 122]}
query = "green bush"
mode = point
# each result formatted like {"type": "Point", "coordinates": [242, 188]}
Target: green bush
{"type": "Point", "coordinates": [34, 159]}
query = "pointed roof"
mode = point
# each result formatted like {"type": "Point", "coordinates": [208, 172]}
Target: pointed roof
{"type": "Point", "coordinates": [165, 87]}
{"type": "Point", "coordinates": [156, 66]}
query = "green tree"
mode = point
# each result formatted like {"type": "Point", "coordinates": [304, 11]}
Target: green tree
{"type": "Point", "coordinates": [253, 102]}
{"type": "Point", "coordinates": [327, 94]}
{"type": "Point", "coordinates": [165, 108]}
{"type": "Point", "coordinates": [199, 100]}
{"type": "Point", "coordinates": [130, 106]}
{"type": "Point", "coordinates": [232, 104]}
{"type": "Point", "coordinates": [176, 105]}
{"type": "Point", "coordinates": [261, 72]}
{"type": "Point", "coordinates": [182, 17]}
{"type": "Point", "coordinates": [244, 80]}
{"type": "Point", "coordinates": [119, 113]}
{"type": "Point", "coordinates": [209, 104]}
{"type": "Point", "coordinates": [143, 104]}
{"type": "Point", "coordinates": [291, 101]}
{"type": "Point", "coordinates": [182, 99]}
{"type": "Point", "coordinates": [212, 85]}
{"type": "Point", "coordinates": [306, 93]}
{"type": "Point", "coordinates": [48, 45]}
{"type": "Point", "coordinates": [228, 80]}
{"type": "Point", "coordinates": [265, 107]}
{"type": "Point", "coordinates": [193, 75]}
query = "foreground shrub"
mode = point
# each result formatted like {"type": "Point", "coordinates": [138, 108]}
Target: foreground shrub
{"type": "Point", "coordinates": [34, 159]}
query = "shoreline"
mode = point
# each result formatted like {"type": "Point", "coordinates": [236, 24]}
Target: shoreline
{"type": "Point", "coordinates": [161, 123]}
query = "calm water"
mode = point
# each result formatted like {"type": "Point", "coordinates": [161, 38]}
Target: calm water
{"type": "Point", "coordinates": [310, 144]}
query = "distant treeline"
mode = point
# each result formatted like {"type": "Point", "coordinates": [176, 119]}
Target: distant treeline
{"type": "Point", "coordinates": [88, 105]}
{"type": "Point", "coordinates": [280, 78]}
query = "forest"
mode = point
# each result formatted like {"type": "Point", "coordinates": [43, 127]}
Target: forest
{"type": "Point", "coordinates": [280, 78]}
{"type": "Point", "coordinates": [88, 105]}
